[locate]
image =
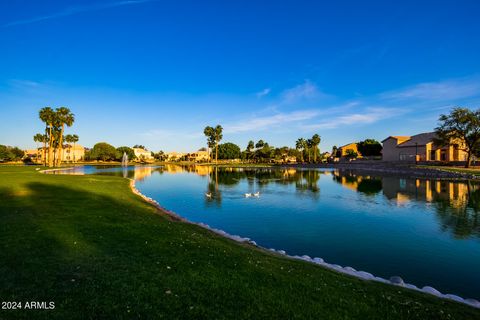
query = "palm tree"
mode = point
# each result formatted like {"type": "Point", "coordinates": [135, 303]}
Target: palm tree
{"type": "Point", "coordinates": [63, 117]}
{"type": "Point", "coordinates": [300, 145]}
{"type": "Point", "coordinates": [38, 138]}
{"type": "Point", "coordinates": [315, 142]}
{"type": "Point", "coordinates": [47, 115]}
{"type": "Point", "coordinates": [69, 140]}
{"type": "Point", "coordinates": [214, 136]}
{"type": "Point", "coordinates": [250, 147]}
{"type": "Point", "coordinates": [74, 140]}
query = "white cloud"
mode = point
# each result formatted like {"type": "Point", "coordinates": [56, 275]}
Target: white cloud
{"type": "Point", "coordinates": [263, 93]}
{"type": "Point", "coordinates": [306, 90]}
{"type": "Point", "coordinates": [77, 9]}
{"type": "Point", "coordinates": [448, 90]}
{"type": "Point", "coordinates": [262, 123]}
{"type": "Point", "coordinates": [368, 116]}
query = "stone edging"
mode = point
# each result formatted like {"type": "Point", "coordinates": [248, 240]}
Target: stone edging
{"type": "Point", "coordinates": [395, 280]}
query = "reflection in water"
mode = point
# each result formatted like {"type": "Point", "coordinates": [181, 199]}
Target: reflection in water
{"type": "Point", "coordinates": [457, 204]}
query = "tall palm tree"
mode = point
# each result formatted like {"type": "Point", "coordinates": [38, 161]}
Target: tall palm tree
{"type": "Point", "coordinates": [63, 117]}
{"type": "Point", "coordinates": [300, 145]}
{"type": "Point", "coordinates": [47, 115]}
{"type": "Point", "coordinates": [74, 140]}
{"type": "Point", "coordinates": [315, 142]}
{"type": "Point", "coordinates": [40, 138]}
{"type": "Point", "coordinates": [69, 140]}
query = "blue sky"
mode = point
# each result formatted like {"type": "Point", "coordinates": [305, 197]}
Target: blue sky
{"type": "Point", "coordinates": [156, 72]}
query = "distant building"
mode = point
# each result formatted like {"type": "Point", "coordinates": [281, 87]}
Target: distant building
{"type": "Point", "coordinates": [174, 156]}
{"type": "Point", "coordinates": [70, 153]}
{"type": "Point", "coordinates": [198, 156]}
{"type": "Point", "coordinates": [344, 150]}
{"type": "Point", "coordinates": [143, 154]}
{"type": "Point", "coordinates": [420, 147]}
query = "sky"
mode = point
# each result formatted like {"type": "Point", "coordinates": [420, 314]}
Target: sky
{"type": "Point", "coordinates": [157, 72]}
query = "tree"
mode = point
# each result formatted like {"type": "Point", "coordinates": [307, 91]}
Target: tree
{"type": "Point", "coordinates": [47, 115]}
{"type": "Point", "coordinates": [127, 150]}
{"type": "Point", "coordinates": [315, 142]}
{"type": "Point", "coordinates": [103, 151]}
{"type": "Point", "coordinates": [214, 136]}
{"type": "Point", "coordinates": [63, 116]}
{"type": "Point", "coordinates": [139, 146]}
{"type": "Point", "coordinates": [461, 126]}
{"type": "Point", "coordinates": [40, 138]}
{"type": "Point", "coordinates": [351, 154]}
{"type": "Point", "coordinates": [228, 150]}
{"type": "Point", "coordinates": [369, 147]}
{"type": "Point", "coordinates": [74, 140]}
{"type": "Point", "coordinates": [259, 144]}
{"type": "Point", "coordinates": [301, 146]}
{"type": "Point", "coordinates": [161, 156]}
{"type": "Point", "coordinates": [249, 149]}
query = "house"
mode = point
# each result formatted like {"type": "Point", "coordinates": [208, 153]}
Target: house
{"type": "Point", "coordinates": [198, 156]}
{"type": "Point", "coordinates": [70, 153]}
{"type": "Point", "coordinates": [143, 154]}
{"type": "Point", "coordinates": [344, 150]}
{"type": "Point", "coordinates": [174, 156]}
{"type": "Point", "coordinates": [420, 147]}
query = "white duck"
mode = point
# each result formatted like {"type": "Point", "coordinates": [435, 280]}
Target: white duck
{"type": "Point", "coordinates": [208, 194]}
{"type": "Point", "coordinates": [248, 195]}
{"type": "Point", "coordinates": [257, 194]}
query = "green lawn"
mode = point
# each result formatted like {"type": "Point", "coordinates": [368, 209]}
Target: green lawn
{"type": "Point", "coordinates": [99, 252]}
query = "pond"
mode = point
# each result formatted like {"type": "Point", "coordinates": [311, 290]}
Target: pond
{"type": "Point", "coordinates": [425, 231]}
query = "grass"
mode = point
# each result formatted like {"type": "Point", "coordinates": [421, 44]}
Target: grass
{"type": "Point", "coordinates": [99, 252]}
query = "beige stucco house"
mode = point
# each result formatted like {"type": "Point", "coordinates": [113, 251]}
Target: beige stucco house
{"type": "Point", "coordinates": [351, 146]}
{"type": "Point", "coordinates": [174, 156]}
{"type": "Point", "coordinates": [198, 156]}
{"type": "Point", "coordinates": [420, 147]}
{"type": "Point", "coordinates": [143, 154]}
{"type": "Point", "coordinates": [70, 153]}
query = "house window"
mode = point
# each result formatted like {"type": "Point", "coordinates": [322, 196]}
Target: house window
{"type": "Point", "coordinates": [432, 155]}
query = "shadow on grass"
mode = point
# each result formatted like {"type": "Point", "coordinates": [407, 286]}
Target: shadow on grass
{"type": "Point", "coordinates": [107, 255]}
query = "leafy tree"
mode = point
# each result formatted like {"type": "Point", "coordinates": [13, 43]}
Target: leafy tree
{"type": "Point", "coordinates": [369, 147]}
{"type": "Point", "coordinates": [161, 156]}
{"type": "Point", "coordinates": [201, 149]}
{"type": "Point", "coordinates": [139, 146]}
{"type": "Point", "coordinates": [228, 150]}
{"type": "Point", "coordinates": [5, 154]}
{"type": "Point", "coordinates": [259, 144]}
{"type": "Point", "coordinates": [351, 154]}
{"type": "Point", "coordinates": [129, 151]}
{"type": "Point", "coordinates": [461, 126]}
{"type": "Point", "coordinates": [103, 151]}
{"type": "Point", "coordinates": [214, 136]}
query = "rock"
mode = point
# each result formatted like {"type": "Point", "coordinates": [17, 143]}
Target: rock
{"type": "Point", "coordinates": [318, 260]}
{"type": "Point", "coordinates": [350, 269]}
{"type": "Point", "coordinates": [473, 302]}
{"type": "Point", "coordinates": [454, 297]}
{"type": "Point", "coordinates": [307, 258]}
{"type": "Point", "coordinates": [411, 286]}
{"type": "Point", "coordinates": [281, 252]}
{"type": "Point", "coordinates": [431, 290]}
{"type": "Point", "coordinates": [364, 275]}
{"type": "Point", "coordinates": [396, 280]}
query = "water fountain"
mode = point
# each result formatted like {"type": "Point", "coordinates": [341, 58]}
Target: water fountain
{"type": "Point", "coordinates": [125, 160]}
{"type": "Point", "coordinates": [125, 164]}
